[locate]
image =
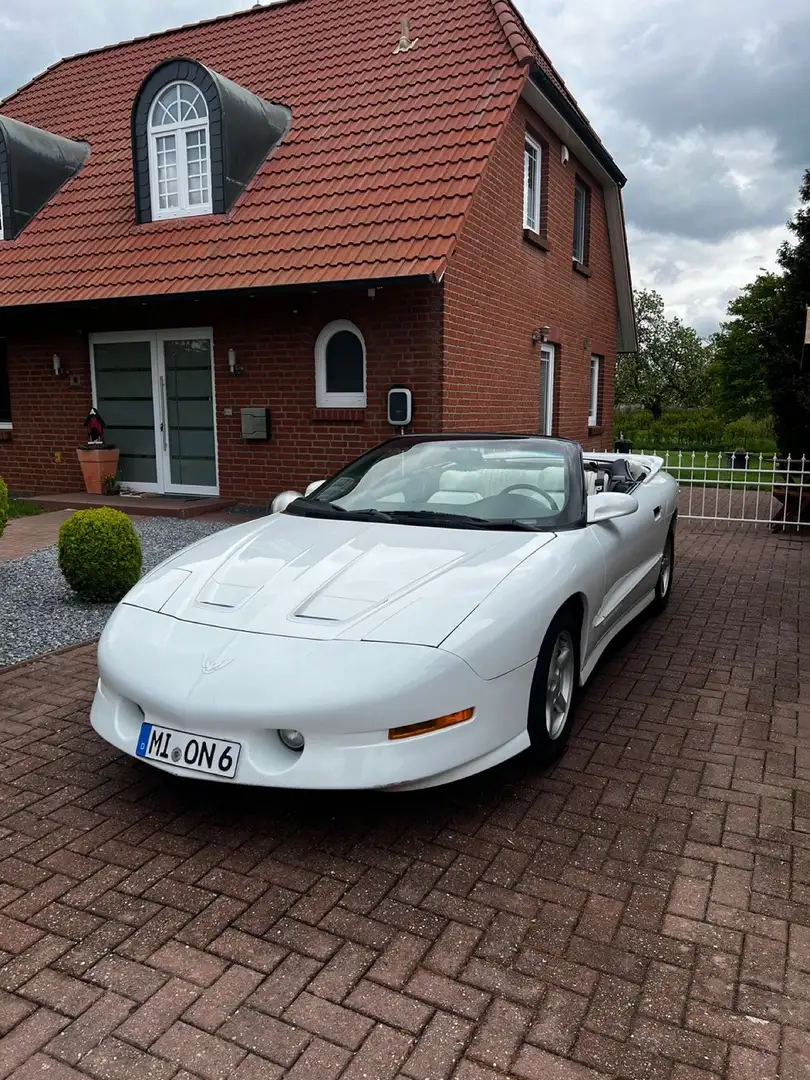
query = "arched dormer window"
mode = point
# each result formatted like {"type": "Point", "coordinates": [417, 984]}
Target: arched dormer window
{"type": "Point", "coordinates": [198, 140]}
{"type": "Point", "coordinates": [179, 158]}
{"type": "Point", "coordinates": [34, 164]}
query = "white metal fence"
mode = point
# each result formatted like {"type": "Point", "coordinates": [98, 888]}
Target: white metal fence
{"type": "Point", "coordinates": [757, 489]}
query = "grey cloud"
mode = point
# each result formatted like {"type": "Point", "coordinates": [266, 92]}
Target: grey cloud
{"type": "Point", "coordinates": [36, 35]}
{"type": "Point", "coordinates": [755, 77]}
{"type": "Point", "coordinates": [691, 193]}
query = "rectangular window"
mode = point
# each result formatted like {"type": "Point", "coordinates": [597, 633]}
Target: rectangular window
{"type": "Point", "coordinates": [546, 389]}
{"type": "Point", "coordinates": [532, 177]}
{"type": "Point", "coordinates": [5, 391]}
{"type": "Point", "coordinates": [197, 161]}
{"type": "Point", "coordinates": [593, 406]}
{"type": "Point", "coordinates": [168, 187]}
{"type": "Point", "coordinates": [581, 198]}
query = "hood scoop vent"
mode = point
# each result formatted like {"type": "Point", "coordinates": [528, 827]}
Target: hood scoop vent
{"type": "Point", "coordinates": [218, 595]}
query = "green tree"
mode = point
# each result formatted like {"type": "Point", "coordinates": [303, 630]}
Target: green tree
{"type": "Point", "coordinates": [787, 361]}
{"type": "Point", "coordinates": [672, 366]}
{"type": "Point", "coordinates": [741, 349]}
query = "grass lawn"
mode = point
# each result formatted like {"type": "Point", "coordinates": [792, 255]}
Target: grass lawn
{"type": "Point", "coordinates": [19, 508]}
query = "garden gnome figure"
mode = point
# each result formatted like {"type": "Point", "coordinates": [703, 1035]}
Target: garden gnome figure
{"type": "Point", "coordinates": [95, 429]}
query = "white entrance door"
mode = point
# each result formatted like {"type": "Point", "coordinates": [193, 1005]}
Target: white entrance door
{"type": "Point", "coordinates": [546, 389]}
{"type": "Point", "coordinates": [155, 393]}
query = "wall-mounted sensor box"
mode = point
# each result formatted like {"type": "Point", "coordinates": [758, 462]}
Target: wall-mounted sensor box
{"type": "Point", "coordinates": [255, 424]}
{"type": "Point", "coordinates": [400, 406]}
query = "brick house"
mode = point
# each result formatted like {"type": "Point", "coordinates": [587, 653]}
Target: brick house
{"type": "Point", "coordinates": [293, 209]}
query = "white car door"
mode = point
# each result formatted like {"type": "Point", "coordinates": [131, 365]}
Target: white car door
{"type": "Point", "coordinates": [632, 546]}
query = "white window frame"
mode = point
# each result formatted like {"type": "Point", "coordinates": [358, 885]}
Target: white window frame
{"type": "Point", "coordinates": [547, 355]}
{"type": "Point", "coordinates": [581, 227]}
{"type": "Point", "coordinates": [593, 400]}
{"type": "Point", "coordinates": [180, 131]}
{"type": "Point", "coordinates": [532, 200]}
{"type": "Point", "coordinates": [323, 399]}
{"type": "Point", "coordinates": [2, 233]}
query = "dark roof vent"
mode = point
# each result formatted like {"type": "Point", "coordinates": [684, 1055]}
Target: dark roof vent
{"type": "Point", "coordinates": [34, 164]}
{"type": "Point", "coordinates": [243, 130]}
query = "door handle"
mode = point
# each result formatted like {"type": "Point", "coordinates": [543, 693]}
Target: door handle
{"type": "Point", "coordinates": [163, 410]}
{"type": "Point", "coordinates": [657, 513]}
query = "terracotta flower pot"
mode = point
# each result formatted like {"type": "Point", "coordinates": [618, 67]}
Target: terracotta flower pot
{"type": "Point", "coordinates": [97, 465]}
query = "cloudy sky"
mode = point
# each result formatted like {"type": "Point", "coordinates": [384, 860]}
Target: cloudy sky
{"type": "Point", "coordinates": [703, 103]}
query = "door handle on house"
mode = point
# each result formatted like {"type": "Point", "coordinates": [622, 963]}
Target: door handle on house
{"type": "Point", "coordinates": [163, 410]}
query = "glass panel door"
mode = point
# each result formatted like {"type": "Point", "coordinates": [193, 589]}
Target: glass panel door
{"type": "Point", "coordinates": [546, 389]}
{"type": "Point", "coordinates": [124, 396]}
{"type": "Point", "coordinates": [189, 439]}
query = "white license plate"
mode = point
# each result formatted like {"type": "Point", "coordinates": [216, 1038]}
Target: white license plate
{"type": "Point", "coordinates": [184, 750]}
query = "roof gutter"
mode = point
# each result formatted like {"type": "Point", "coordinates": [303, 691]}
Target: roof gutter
{"type": "Point", "coordinates": [540, 93]}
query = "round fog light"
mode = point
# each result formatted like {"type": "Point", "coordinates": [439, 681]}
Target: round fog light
{"type": "Point", "coordinates": [293, 740]}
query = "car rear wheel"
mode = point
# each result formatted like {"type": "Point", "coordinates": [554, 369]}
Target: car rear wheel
{"type": "Point", "coordinates": [663, 587]}
{"type": "Point", "coordinates": [554, 688]}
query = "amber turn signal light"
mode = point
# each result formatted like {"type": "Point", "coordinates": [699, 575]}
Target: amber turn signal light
{"type": "Point", "coordinates": [431, 725]}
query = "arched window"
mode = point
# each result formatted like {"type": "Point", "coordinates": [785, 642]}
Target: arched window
{"type": "Point", "coordinates": [179, 154]}
{"type": "Point", "coordinates": [340, 367]}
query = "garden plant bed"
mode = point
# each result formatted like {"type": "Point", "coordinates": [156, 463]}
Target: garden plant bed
{"type": "Point", "coordinates": [39, 613]}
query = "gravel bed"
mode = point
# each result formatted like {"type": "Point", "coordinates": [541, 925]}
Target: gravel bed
{"type": "Point", "coordinates": [38, 612]}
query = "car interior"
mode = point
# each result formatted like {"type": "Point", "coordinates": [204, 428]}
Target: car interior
{"type": "Point", "coordinates": [620, 475]}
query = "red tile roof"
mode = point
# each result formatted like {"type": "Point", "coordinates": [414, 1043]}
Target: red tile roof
{"type": "Point", "coordinates": [373, 181]}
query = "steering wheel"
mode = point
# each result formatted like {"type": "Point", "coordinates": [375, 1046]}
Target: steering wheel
{"type": "Point", "coordinates": [536, 491]}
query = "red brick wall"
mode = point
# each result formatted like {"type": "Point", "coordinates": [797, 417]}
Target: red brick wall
{"type": "Point", "coordinates": [499, 288]}
{"type": "Point", "coordinates": [274, 340]}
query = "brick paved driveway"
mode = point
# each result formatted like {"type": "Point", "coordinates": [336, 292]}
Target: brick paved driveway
{"type": "Point", "coordinates": [642, 911]}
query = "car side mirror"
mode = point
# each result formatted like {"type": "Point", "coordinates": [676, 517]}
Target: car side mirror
{"type": "Point", "coordinates": [610, 505]}
{"type": "Point", "coordinates": [313, 487]}
{"type": "Point", "coordinates": [282, 501]}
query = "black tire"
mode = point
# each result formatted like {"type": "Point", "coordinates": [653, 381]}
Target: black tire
{"type": "Point", "coordinates": [663, 586]}
{"type": "Point", "coordinates": [548, 729]}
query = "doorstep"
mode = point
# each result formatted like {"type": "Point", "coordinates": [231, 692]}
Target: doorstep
{"type": "Point", "coordinates": [143, 505]}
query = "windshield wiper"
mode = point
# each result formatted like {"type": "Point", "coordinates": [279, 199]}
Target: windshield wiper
{"type": "Point", "coordinates": [311, 508]}
{"type": "Point", "coordinates": [460, 521]}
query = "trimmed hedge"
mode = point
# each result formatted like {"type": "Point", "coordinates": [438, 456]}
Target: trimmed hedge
{"type": "Point", "coordinates": [100, 554]}
{"type": "Point", "coordinates": [700, 431]}
{"type": "Point", "coordinates": [3, 505]}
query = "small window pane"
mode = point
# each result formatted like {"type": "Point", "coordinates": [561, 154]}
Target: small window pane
{"type": "Point", "coordinates": [344, 364]}
{"type": "Point", "coordinates": [580, 215]}
{"type": "Point", "coordinates": [168, 188]}
{"type": "Point", "coordinates": [5, 391]}
{"type": "Point", "coordinates": [197, 162]}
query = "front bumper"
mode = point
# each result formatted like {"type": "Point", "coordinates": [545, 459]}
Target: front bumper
{"type": "Point", "coordinates": [343, 696]}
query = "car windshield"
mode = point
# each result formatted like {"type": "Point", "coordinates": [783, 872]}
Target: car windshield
{"type": "Point", "coordinates": [484, 482]}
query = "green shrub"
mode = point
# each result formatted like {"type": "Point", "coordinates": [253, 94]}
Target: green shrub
{"type": "Point", "coordinates": [3, 505]}
{"type": "Point", "coordinates": [99, 554]}
{"type": "Point", "coordinates": [700, 430]}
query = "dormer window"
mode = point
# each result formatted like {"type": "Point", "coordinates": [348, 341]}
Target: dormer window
{"type": "Point", "coordinates": [34, 164]}
{"type": "Point", "coordinates": [180, 161]}
{"type": "Point", "coordinates": [198, 140]}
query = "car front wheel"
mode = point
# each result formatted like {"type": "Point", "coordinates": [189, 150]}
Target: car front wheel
{"type": "Point", "coordinates": [554, 687]}
{"type": "Point", "coordinates": [663, 587]}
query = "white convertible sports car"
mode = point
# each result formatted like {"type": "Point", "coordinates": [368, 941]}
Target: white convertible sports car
{"type": "Point", "coordinates": [428, 612]}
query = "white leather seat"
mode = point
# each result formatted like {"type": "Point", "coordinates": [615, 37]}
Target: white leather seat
{"type": "Point", "coordinates": [459, 487]}
{"type": "Point", "coordinates": [462, 486]}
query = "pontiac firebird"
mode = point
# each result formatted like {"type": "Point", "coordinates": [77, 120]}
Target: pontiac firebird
{"type": "Point", "coordinates": [428, 612]}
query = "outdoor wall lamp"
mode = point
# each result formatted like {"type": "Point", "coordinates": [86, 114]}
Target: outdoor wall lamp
{"type": "Point", "coordinates": [541, 334]}
{"type": "Point", "coordinates": [233, 367]}
{"type": "Point", "coordinates": [57, 366]}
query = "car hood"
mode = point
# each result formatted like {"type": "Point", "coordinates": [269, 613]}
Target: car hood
{"type": "Point", "coordinates": [322, 578]}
